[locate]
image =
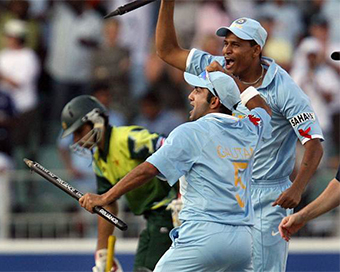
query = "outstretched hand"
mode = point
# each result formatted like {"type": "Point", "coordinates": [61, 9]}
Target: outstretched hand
{"type": "Point", "coordinates": [290, 225]}
{"type": "Point", "coordinates": [89, 201]}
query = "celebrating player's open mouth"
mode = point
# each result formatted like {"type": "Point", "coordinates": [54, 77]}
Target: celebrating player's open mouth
{"type": "Point", "coordinates": [199, 103]}
{"type": "Point", "coordinates": [238, 55]}
{"type": "Point", "coordinates": [191, 112]}
{"type": "Point", "coordinates": [229, 63]}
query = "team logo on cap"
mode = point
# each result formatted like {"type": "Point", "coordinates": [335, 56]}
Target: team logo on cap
{"type": "Point", "coordinates": [241, 21]}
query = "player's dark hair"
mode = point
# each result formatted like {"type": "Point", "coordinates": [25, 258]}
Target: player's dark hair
{"type": "Point", "coordinates": [252, 43]}
{"type": "Point", "coordinates": [222, 108]}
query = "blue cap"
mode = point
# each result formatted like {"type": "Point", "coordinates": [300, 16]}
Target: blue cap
{"type": "Point", "coordinates": [219, 84]}
{"type": "Point", "coordinates": [245, 29]}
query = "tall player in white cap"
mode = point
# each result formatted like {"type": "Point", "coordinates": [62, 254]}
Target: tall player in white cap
{"type": "Point", "coordinates": [215, 154]}
{"type": "Point", "coordinates": [273, 194]}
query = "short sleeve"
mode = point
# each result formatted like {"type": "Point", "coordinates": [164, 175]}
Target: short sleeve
{"type": "Point", "coordinates": [260, 118]}
{"type": "Point", "coordinates": [295, 105]}
{"type": "Point", "coordinates": [180, 151]}
{"type": "Point", "coordinates": [198, 60]}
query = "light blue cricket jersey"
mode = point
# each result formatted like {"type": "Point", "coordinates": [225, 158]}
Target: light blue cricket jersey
{"type": "Point", "coordinates": [215, 154]}
{"type": "Point", "coordinates": [292, 117]}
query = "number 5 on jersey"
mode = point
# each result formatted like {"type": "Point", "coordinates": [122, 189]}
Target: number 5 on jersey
{"type": "Point", "coordinates": [238, 180]}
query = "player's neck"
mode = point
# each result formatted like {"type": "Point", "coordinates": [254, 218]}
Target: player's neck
{"type": "Point", "coordinates": [215, 110]}
{"type": "Point", "coordinates": [253, 76]}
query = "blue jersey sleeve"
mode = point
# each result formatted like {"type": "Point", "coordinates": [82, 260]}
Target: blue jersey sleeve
{"type": "Point", "coordinates": [294, 104]}
{"type": "Point", "coordinates": [179, 152]}
{"type": "Point", "coordinates": [259, 120]}
{"type": "Point", "coordinates": [198, 60]}
{"type": "Point", "coordinates": [265, 129]}
{"type": "Point", "coordinates": [338, 174]}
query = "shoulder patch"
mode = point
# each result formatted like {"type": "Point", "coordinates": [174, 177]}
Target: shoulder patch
{"type": "Point", "coordinates": [302, 118]}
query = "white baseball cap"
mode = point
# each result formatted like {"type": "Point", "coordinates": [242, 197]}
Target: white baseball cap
{"type": "Point", "coordinates": [245, 29]}
{"type": "Point", "coordinates": [219, 84]}
{"type": "Point", "coordinates": [15, 28]}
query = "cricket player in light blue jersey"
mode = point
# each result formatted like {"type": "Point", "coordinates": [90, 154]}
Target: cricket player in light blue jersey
{"type": "Point", "coordinates": [215, 154]}
{"type": "Point", "coordinates": [273, 194]}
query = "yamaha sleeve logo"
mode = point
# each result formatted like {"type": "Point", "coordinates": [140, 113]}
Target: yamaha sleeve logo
{"type": "Point", "coordinates": [302, 118]}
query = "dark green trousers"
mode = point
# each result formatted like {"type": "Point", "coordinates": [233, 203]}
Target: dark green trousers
{"type": "Point", "coordinates": [154, 241]}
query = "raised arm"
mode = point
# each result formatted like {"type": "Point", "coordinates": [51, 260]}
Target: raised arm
{"type": "Point", "coordinates": [166, 40]}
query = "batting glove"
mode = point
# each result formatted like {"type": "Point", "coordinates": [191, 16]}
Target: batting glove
{"type": "Point", "coordinates": [100, 261]}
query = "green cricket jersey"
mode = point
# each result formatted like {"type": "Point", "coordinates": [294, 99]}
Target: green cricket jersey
{"type": "Point", "coordinates": [125, 148]}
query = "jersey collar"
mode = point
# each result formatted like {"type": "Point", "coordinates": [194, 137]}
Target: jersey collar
{"type": "Point", "coordinates": [272, 69]}
{"type": "Point", "coordinates": [219, 115]}
{"type": "Point", "coordinates": [107, 135]}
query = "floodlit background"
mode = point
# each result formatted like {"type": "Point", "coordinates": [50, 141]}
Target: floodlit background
{"type": "Point", "coordinates": [70, 50]}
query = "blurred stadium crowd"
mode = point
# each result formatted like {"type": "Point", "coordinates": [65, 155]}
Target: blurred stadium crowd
{"type": "Point", "coordinates": [52, 51]}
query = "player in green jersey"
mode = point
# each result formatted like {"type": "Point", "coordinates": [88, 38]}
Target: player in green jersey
{"type": "Point", "coordinates": [116, 151]}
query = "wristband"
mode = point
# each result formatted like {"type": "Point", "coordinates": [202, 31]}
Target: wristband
{"type": "Point", "coordinates": [248, 94]}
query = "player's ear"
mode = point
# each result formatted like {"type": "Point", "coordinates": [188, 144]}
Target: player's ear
{"type": "Point", "coordinates": [215, 102]}
{"type": "Point", "coordinates": [256, 51]}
